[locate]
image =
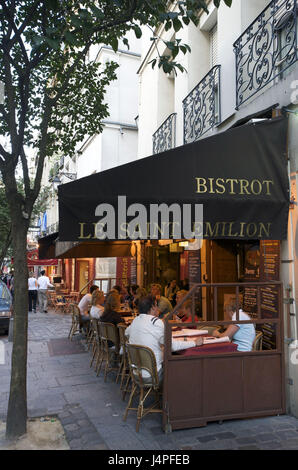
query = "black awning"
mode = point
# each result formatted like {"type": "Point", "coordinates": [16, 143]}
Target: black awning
{"type": "Point", "coordinates": [98, 249]}
{"type": "Point", "coordinates": [46, 246]}
{"type": "Point", "coordinates": [51, 247]}
{"type": "Point", "coordinates": [239, 176]}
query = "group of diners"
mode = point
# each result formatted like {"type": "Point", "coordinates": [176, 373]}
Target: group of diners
{"type": "Point", "coordinates": [152, 308]}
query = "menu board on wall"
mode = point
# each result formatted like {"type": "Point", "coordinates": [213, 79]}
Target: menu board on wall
{"type": "Point", "coordinates": [194, 267]}
{"type": "Point", "coordinates": [269, 271]}
{"type": "Point", "coordinates": [194, 276]}
{"type": "Point", "coordinates": [123, 271]}
{"type": "Point", "coordinates": [251, 274]}
{"type": "Point", "coordinates": [262, 263]}
{"type": "Point", "coordinates": [133, 271]}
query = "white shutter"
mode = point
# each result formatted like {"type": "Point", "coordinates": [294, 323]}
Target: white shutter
{"type": "Point", "coordinates": [213, 46]}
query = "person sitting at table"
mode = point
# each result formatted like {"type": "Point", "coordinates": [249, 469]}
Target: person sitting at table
{"type": "Point", "coordinates": [171, 290]}
{"type": "Point", "coordinates": [164, 305]}
{"type": "Point", "coordinates": [185, 313]}
{"type": "Point", "coordinates": [148, 330]}
{"type": "Point", "coordinates": [85, 301]}
{"type": "Point", "coordinates": [242, 334]}
{"type": "Point", "coordinates": [180, 295]}
{"type": "Point", "coordinates": [117, 288]}
{"type": "Point", "coordinates": [97, 302]}
{"type": "Point", "coordinates": [111, 306]}
{"type": "Point", "coordinates": [141, 292]}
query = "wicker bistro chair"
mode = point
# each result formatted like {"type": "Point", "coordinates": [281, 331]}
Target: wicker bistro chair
{"type": "Point", "coordinates": [94, 340]}
{"type": "Point", "coordinates": [108, 333]}
{"type": "Point", "coordinates": [258, 341]}
{"type": "Point", "coordinates": [123, 371]}
{"type": "Point", "coordinates": [76, 320]}
{"type": "Point", "coordinates": [142, 358]}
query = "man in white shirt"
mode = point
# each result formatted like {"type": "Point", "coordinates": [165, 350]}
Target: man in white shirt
{"type": "Point", "coordinates": [85, 301]}
{"type": "Point", "coordinates": [43, 284]}
{"type": "Point", "coordinates": [148, 330]}
{"type": "Point", "coordinates": [32, 291]}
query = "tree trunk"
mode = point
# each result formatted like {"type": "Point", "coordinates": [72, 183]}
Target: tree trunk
{"type": "Point", "coordinates": [4, 250]}
{"type": "Point", "coordinates": [17, 406]}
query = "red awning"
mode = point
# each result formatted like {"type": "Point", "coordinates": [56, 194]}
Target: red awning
{"type": "Point", "coordinates": [33, 260]}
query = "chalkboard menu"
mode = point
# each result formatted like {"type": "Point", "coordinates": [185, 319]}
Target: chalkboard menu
{"type": "Point", "coordinates": [262, 263]}
{"type": "Point", "coordinates": [194, 276]}
{"type": "Point", "coordinates": [194, 267]}
{"type": "Point", "coordinates": [270, 260]}
{"type": "Point", "coordinates": [269, 271]}
{"type": "Point", "coordinates": [133, 271]}
{"type": "Point", "coordinates": [251, 274]}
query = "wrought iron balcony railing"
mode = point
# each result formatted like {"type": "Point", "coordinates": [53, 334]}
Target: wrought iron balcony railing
{"type": "Point", "coordinates": [266, 49]}
{"type": "Point", "coordinates": [165, 136]}
{"type": "Point", "coordinates": [201, 107]}
{"type": "Point", "coordinates": [52, 228]}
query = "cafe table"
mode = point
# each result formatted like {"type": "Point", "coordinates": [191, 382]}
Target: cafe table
{"type": "Point", "coordinates": [212, 348]}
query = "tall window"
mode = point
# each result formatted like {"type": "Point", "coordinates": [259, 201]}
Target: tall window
{"type": "Point", "coordinates": [213, 62]}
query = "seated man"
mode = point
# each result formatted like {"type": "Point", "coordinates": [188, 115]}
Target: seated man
{"type": "Point", "coordinates": [242, 334]}
{"type": "Point", "coordinates": [85, 301]}
{"type": "Point", "coordinates": [84, 305]}
{"type": "Point", "coordinates": [148, 330]}
{"type": "Point", "coordinates": [163, 304]}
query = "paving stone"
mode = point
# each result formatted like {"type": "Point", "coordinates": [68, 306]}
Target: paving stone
{"type": "Point", "coordinates": [72, 435]}
{"type": "Point", "coordinates": [71, 427]}
{"type": "Point", "coordinates": [273, 445]}
{"type": "Point", "coordinates": [284, 435]}
{"type": "Point", "coordinates": [265, 437]}
{"type": "Point", "coordinates": [75, 444]}
{"type": "Point", "coordinates": [252, 447]}
{"type": "Point", "coordinates": [246, 440]}
{"type": "Point", "coordinates": [224, 435]}
{"type": "Point", "coordinates": [206, 438]}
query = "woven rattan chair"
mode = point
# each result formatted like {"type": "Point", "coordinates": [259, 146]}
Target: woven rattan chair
{"type": "Point", "coordinates": [141, 359]}
{"type": "Point", "coordinates": [258, 341]}
{"type": "Point", "coordinates": [94, 340]}
{"type": "Point", "coordinates": [108, 333]}
{"type": "Point", "coordinates": [123, 371]}
{"type": "Point", "coordinates": [76, 318]}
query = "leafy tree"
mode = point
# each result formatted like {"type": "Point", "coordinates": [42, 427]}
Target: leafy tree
{"type": "Point", "coordinates": [54, 96]}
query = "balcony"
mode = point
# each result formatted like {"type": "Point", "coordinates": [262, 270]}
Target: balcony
{"type": "Point", "coordinates": [165, 136]}
{"type": "Point", "coordinates": [52, 228]}
{"type": "Point", "coordinates": [266, 49]}
{"type": "Point", "coordinates": [201, 107]}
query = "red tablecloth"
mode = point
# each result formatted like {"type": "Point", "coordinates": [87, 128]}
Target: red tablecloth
{"type": "Point", "coordinates": [215, 348]}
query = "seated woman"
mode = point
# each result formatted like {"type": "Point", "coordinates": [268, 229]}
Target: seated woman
{"type": "Point", "coordinates": [185, 313]}
{"type": "Point", "coordinates": [97, 302]}
{"type": "Point", "coordinates": [110, 314]}
{"type": "Point", "coordinates": [242, 334]}
{"type": "Point", "coordinates": [140, 292]}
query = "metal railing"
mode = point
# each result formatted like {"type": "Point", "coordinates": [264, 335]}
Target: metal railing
{"type": "Point", "coordinates": [165, 136]}
{"type": "Point", "coordinates": [52, 228]}
{"type": "Point", "coordinates": [266, 49]}
{"type": "Point", "coordinates": [201, 107]}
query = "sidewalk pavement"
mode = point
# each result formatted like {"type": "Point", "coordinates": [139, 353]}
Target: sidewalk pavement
{"type": "Point", "coordinates": [61, 383]}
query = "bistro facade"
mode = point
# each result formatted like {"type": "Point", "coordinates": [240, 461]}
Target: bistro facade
{"type": "Point", "coordinates": [227, 198]}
